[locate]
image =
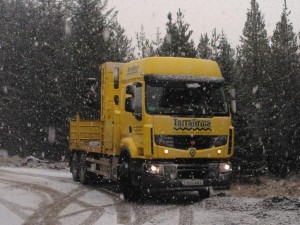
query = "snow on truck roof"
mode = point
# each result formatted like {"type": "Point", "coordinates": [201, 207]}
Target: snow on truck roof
{"type": "Point", "coordinates": [173, 66]}
{"type": "Point", "coordinates": [169, 68]}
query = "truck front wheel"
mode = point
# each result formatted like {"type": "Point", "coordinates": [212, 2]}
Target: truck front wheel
{"type": "Point", "coordinates": [205, 193]}
{"type": "Point", "coordinates": [125, 180]}
{"type": "Point", "coordinates": [129, 191]}
{"type": "Point", "coordinates": [83, 176]}
{"type": "Point", "coordinates": [75, 167]}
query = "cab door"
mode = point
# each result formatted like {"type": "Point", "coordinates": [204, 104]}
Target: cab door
{"type": "Point", "coordinates": [133, 115]}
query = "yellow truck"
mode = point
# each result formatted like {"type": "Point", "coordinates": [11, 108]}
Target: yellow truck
{"type": "Point", "coordinates": [164, 125]}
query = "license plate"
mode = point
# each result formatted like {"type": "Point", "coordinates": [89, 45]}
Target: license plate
{"type": "Point", "coordinates": [192, 182]}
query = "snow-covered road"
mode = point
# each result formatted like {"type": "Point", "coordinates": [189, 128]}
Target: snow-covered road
{"type": "Point", "coordinates": [44, 196]}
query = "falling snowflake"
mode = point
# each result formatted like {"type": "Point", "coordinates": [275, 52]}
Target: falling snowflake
{"type": "Point", "coordinates": [258, 105]}
{"type": "Point", "coordinates": [5, 89]}
{"type": "Point", "coordinates": [68, 26]}
{"type": "Point", "coordinates": [51, 135]}
{"type": "Point", "coordinates": [168, 38]}
{"type": "Point", "coordinates": [255, 89]}
{"type": "Point", "coordinates": [106, 34]}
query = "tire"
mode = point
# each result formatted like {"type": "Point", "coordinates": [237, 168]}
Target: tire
{"type": "Point", "coordinates": [130, 192]}
{"type": "Point", "coordinates": [125, 181]}
{"type": "Point", "coordinates": [95, 178]}
{"type": "Point", "coordinates": [205, 193]}
{"type": "Point", "coordinates": [83, 174]}
{"type": "Point", "coordinates": [75, 167]}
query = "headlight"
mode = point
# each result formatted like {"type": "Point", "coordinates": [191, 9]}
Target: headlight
{"type": "Point", "coordinates": [218, 141]}
{"type": "Point", "coordinates": [225, 167]}
{"type": "Point", "coordinates": [157, 169]}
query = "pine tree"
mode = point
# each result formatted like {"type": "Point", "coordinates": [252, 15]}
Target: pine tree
{"type": "Point", "coordinates": [40, 31]}
{"type": "Point", "coordinates": [15, 47]}
{"type": "Point", "coordinates": [119, 46]}
{"type": "Point", "coordinates": [226, 60]}
{"type": "Point", "coordinates": [157, 42]}
{"type": "Point", "coordinates": [4, 38]}
{"type": "Point", "coordinates": [177, 40]}
{"type": "Point", "coordinates": [95, 38]}
{"type": "Point", "coordinates": [219, 49]}
{"type": "Point", "coordinates": [284, 116]}
{"type": "Point", "coordinates": [90, 34]}
{"type": "Point", "coordinates": [214, 43]}
{"type": "Point", "coordinates": [144, 45]}
{"type": "Point", "coordinates": [88, 47]}
{"type": "Point", "coordinates": [43, 64]}
{"type": "Point", "coordinates": [254, 60]}
{"type": "Point", "coordinates": [204, 50]}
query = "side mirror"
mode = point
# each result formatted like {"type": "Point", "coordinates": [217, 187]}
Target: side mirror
{"type": "Point", "coordinates": [116, 78]}
{"type": "Point", "coordinates": [91, 96]}
{"type": "Point", "coordinates": [133, 104]}
{"type": "Point", "coordinates": [89, 84]}
{"type": "Point", "coordinates": [130, 90]}
{"type": "Point", "coordinates": [233, 100]}
{"type": "Point", "coordinates": [233, 106]}
{"type": "Point", "coordinates": [129, 104]}
{"type": "Point", "coordinates": [232, 93]}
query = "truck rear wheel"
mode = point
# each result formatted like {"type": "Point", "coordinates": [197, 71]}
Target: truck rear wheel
{"type": "Point", "coordinates": [75, 167]}
{"type": "Point", "coordinates": [83, 176]}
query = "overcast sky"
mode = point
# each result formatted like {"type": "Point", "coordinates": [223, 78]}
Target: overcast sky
{"type": "Point", "coordinates": [202, 15]}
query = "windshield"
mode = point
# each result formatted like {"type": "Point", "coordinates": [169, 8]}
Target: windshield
{"type": "Point", "coordinates": [185, 99]}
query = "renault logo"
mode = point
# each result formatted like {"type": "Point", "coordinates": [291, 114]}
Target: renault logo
{"type": "Point", "coordinates": [192, 152]}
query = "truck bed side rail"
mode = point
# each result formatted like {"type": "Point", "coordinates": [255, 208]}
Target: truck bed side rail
{"type": "Point", "coordinates": [85, 135]}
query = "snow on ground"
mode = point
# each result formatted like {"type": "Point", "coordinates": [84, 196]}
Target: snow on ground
{"type": "Point", "coordinates": [268, 187]}
{"type": "Point", "coordinates": [34, 191]}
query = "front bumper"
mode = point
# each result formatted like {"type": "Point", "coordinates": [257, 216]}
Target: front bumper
{"type": "Point", "coordinates": [182, 177]}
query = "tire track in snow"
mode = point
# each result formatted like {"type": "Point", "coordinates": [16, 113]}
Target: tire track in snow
{"type": "Point", "coordinates": [142, 215]}
{"type": "Point", "coordinates": [48, 213]}
{"type": "Point", "coordinates": [48, 210]}
{"type": "Point", "coordinates": [186, 216]}
{"type": "Point", "coordinates": [16, 208]}
{"type": "Point", "coordinates": [61, 179]}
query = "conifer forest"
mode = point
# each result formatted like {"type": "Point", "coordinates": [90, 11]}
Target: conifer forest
{"type": "Point", "coordinates": [48, 48]}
